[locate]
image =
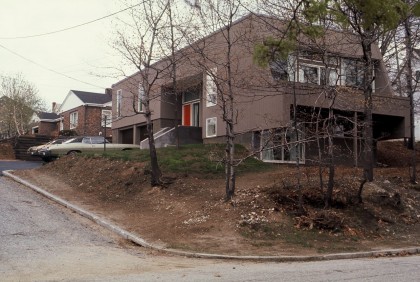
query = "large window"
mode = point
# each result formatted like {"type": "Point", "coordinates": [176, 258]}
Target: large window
{"type": "Point", "coordinates": [309, 74]}
{"type": "Point", "coordinates": [106, 119]}
{"type": "Point", "coordinates": [279, 70]}
{"type": "Point", "coordinates": [352, 72]}
{"type": "Point", "coordinates": [211, 88]}
{"type": "Point", "coordinates": [73, 119]}
{"type": "Point", "coordinates": [283, 69]}
{"type": "Point", "coordinates": [119, 102]}
{"type": "Point", "coordinates": [319, 75]}
{"type": "Point", "coordinates": [281, 145]}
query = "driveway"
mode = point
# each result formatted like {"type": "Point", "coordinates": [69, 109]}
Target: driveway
{"type": "Point", "coordinates": [15, 165]}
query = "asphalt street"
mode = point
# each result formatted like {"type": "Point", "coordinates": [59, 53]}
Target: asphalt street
{"type": "Point", "coordinates": [15, 165]}
{"type": "Point", "coordinates": [40, 241]}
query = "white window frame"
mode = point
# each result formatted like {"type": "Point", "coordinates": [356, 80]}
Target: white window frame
{"type": "Point", "coordinates": [108, 115]}
{"type": "Point", "coordinates": [209, 121]}
{"type": "Point", "coordinates": [211, 88]}
{"type": "Point", "coordinates": [333, 74]}
{"type": "Point", "coordinates": [300, 148]}
{"type": "Point", "coordinates": [302, 74]}
{"type": "Point", "coordinates": [33, 129]}
{"type": "Point", "coordinates": [74, 119]}
{"type": "Point", "coordinates": [119, 102]}
{"type": "Point", "coordinates": [140, 98]}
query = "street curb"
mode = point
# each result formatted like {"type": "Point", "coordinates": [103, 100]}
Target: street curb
{"type": "Point", "coordinates": [139, 241]}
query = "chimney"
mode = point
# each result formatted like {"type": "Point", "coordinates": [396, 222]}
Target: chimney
{"type": "Point", "coordinates": [108, 91]}
{"type": "Point", "coordinates": [54, 107]}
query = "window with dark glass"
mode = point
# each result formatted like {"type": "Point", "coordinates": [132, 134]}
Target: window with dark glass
{"type": "Point", "coordinates": [278, 70]}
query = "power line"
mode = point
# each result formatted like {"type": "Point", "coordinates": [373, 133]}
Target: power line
{"type": "Point", "coordinates": [68, 28]}
{"type": "Point", "coordinates": [47, 68]}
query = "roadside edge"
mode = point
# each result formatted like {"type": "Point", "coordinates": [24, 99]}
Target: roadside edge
{"type": "Point", "coordinates": [141, 242]}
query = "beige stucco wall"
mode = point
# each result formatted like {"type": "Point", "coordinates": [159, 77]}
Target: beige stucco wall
{"type": "Point", "coordinates": [260, 102]}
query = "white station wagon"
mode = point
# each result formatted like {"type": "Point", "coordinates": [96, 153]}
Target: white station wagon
{"type": "Point", "coordinates": [82, 144]}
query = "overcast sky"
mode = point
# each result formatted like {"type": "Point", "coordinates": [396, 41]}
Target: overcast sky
{"type": "Point", "coordinates": [82, 53]}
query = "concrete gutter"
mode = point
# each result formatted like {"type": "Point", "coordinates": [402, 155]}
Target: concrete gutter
{"type": "Point", "coordinates": [141, 242]}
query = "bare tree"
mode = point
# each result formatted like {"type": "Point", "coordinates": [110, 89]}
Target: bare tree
{"type": "Point", "coordinates": [139, 44]}
{"type": "Point", "coordinates": [19, 101]}
{"type": "Point", "coordinates": [221, 71]}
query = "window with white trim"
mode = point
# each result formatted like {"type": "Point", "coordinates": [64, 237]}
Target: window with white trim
{"type": "Point", "coordinates": [281, 145]}
{"type": "Point", "coordinates": [211, 88]}
{"type": "Point", "coordinates": [211, 127]}
{"type": "Point", "coordinates": [106, 118]}
{"type": "Point", "coordinates": [140, 101]}
{"type": "Point", "coordinates": [119, 101]}
{"type": "Point", "coordinates": [74, 116]}
{"type": "Point", "coordinates": [318, 75]}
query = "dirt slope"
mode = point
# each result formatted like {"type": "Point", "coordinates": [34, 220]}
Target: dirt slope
{"type": "Point", "coordinates": [191, 214]}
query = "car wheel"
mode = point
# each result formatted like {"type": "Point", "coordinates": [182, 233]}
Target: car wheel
{"type": "Point", "coordinates": [72, 153]}
{"type": "Point", "coordinates": [47, 159]}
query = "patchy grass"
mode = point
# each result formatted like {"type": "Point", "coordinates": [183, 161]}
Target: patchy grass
{"type": "Point", "coordinates": [190, 159]}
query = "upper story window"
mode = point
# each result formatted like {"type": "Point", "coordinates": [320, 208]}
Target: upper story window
{"type": "Point", "coordinates": [418, 76]}
{"type": "Point", "coordinates": [309, 74]}
{"type": "Point", "coordinates": [318, 75]}
{"type": "Point", "coordinates": [283, 69]}
{"type": "Point", "coordinates": [353, 72]}
{"type": "Point", "coordinates": [211, 88]}
{"type": "Point", "coordinates": [119, 102]}
{"type": "Point", "coordinates": [313, 68]}
{"type": "Point", "coordinates": [190, 96]}
{"type": "Point", "coordinates": [106, 120]}
{"type": "Point", "coordinates": [141, 96]}
{"type": "Point", "coordinates": [73, 119]}
{"type": "Point", "coordinates": [279, 70]}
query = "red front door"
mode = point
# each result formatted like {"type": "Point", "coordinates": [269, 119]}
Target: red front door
{"type": "Point", "coordinates": [187, 115]}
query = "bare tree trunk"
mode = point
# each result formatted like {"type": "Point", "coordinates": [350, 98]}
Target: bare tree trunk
{"type": "Point", "coordinates": [410, 92]}
{"type": "Point", "coordinates": [368, 105]}
{"type": "Point", "coordinates": [320, 164]}
{"type": "Point", "coordinates": [16, 121]}
{"type": "Point", "coordinates": [296, 132]}
{"type": "Point", "coordinates": [331, 167]}
{"type": "Point", "coordinates": [229, 119]}
{"type": "Point", "coordinates": [156, 173]}
{"type": "Point", "coordinates": [230, 168]}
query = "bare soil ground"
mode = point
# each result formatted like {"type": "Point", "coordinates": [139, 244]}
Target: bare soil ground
{"type": "Point", "coordinates": [6, 152]}
{"type": "Point", "coordinates": [191, 214]}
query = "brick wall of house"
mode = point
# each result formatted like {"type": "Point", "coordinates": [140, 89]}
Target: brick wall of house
{"type": "Point", "coordinates": [48, 128]}
{"type": "Point", "coordinates": [89, 121]}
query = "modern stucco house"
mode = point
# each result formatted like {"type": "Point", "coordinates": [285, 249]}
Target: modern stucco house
{"type": "Point", "coordinates": [311, 80]}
